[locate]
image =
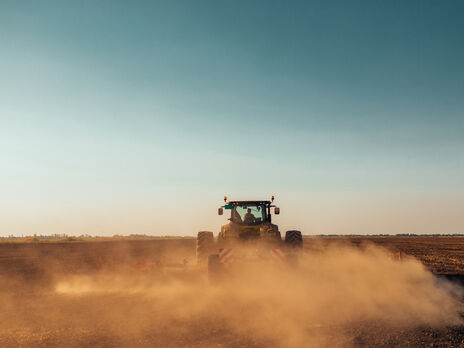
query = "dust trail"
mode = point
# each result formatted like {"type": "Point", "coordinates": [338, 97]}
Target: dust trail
{"type": "Point", "coordinates": [275, 305]}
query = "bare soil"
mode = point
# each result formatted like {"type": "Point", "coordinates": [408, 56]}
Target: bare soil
{"type": "Point", "coordinates": [42, 304]}
{"type": "Point", "coordinates": [441, 255]}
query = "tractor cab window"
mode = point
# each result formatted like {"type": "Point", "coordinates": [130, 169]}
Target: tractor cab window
{"type": "Point", "coordinates": [249, 214]}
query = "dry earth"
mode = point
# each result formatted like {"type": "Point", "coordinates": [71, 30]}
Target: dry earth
{"type": "Point", "coordinates": [347, 293]}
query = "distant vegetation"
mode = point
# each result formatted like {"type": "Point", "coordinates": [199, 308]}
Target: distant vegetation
{"type": "Point", "coordinates": [83, 237]}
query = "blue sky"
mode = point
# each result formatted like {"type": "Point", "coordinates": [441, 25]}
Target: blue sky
{"type": "Point", "coordinates": [138, 116]}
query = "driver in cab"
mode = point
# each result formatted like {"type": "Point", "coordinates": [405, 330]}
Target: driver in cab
{"type": "Point", "coordinates": [249, 218]}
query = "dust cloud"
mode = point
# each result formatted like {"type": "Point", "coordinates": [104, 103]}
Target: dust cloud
{"type": "Point", "coordinates": [270, 305]}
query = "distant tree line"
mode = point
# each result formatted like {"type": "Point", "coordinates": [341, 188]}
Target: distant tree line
{"type": "Point", "coordinates": [84, 236]}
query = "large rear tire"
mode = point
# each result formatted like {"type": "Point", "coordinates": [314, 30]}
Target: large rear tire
{"type": "Point", "coordinates": [293, 239]}
{"type": "Point", "coordinates": [205, 246]}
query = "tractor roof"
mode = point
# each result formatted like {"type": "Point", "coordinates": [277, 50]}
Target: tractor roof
{"type": "Point", "coordinates": [248, 202]}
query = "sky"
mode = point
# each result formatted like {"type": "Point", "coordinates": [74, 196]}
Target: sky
{"type": "Point", "coordinates": [120, 117]}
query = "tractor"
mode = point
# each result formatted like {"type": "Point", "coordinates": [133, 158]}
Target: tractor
{"type": "Point", "coordinates": [250, 236]}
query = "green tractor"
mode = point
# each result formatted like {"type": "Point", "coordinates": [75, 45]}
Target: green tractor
{"type": "Point", "coordinates": [250, 236]}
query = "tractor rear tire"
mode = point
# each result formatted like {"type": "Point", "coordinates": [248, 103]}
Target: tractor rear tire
{"type": "Point", "coordinates": [205, 246]}
{"type": "Point", "coordinates": [215, 269]}
{"type": "Point", "coordinates": [294, 239]}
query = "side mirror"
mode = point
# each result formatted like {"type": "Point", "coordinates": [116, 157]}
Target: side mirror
{"type": "Point", "coordinates": [220, 211]}
{"type": "Point", "coordinates": [277, 210]}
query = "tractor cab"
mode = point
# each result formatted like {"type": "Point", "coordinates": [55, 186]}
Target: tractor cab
{"type": "Point", "coordinates": [249, 220]}
{"type": "Point", "coordinates": [249, 213]}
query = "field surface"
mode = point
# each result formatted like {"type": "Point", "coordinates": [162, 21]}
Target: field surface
{"type": "Point", "coordinates": [349, 292]}
{"type": "Point", "coordinates": [441, 255]}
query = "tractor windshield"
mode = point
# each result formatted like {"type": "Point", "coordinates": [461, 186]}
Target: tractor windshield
{"type": "Point", "coordinates": [249, 214]}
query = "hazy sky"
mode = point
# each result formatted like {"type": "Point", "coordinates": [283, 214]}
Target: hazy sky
{"type": "Point", "coordinates": [138, 116]}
